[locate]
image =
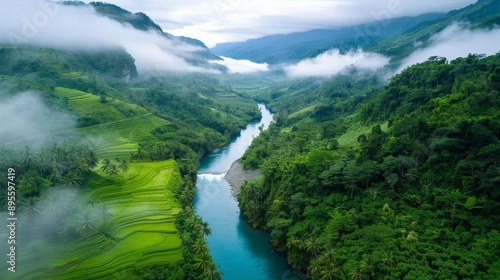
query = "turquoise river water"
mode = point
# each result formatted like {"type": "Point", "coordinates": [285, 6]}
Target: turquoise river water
{"type": "Point", "coordinates": [241, 251]}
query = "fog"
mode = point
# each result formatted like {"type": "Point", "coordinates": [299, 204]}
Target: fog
{"type": "Point", "coordinates": [333, 62]}
{"type": "Point", "coordinates": [60, 211]}
{"type": "Point", "coordinates": [243, 66]}
{"type": "Point", "coordinates": [46, 24]}
{"type": "Point", "coordinates": [457, 40]}
{"type": "Point", "coordinates": [25, 119]}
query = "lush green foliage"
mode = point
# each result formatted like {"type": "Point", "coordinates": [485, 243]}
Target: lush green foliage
{"type": "Point", "coordinates": [415, 196]}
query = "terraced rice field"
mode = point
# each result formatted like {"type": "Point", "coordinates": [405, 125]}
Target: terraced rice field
{"type": "Point", "coordinates": [142, 233]}
{"type": "Point", "coordinates": [117, 137]}
{"type": "Point", "coordinates": [143, 205]}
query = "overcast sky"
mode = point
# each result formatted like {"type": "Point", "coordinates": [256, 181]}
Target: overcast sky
{"type": "Point", "coordinates": [217, 21]}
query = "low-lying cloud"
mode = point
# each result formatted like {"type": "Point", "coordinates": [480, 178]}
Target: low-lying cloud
{"type": "Point", "coordinates": [333, 62]}
{"type": "Point", "coordinates": [243, 66]}
{"type": "Point", "coordinates": [47, 24]}
{"type": "Point", "coordinates": [457, 40]}
{"type": "Point", "coordinates": [25, 119]}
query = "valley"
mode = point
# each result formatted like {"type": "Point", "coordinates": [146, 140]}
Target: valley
{"type": "Point", "coordinates": [377, 156]}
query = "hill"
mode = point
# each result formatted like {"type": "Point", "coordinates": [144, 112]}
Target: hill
{"type": "Point", "coordinates": [295, 46]}
{"type": "Point", "coordinates": [395, 38]}
{"type": "Point", "coordinates": [396, 181]}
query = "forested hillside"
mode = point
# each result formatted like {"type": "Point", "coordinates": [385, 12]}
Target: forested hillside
{"type": "Point", "coordinates": [367, 182]}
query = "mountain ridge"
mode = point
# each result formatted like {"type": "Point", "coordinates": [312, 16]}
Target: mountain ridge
{"type": "Point", "coordinates": [299, 45]}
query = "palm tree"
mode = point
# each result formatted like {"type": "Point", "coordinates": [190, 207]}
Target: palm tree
{"type": "Point", "coordinates": [103, 213]}
{"type": "Point", "coordinates": [329, 272]}
{"type": "Point", "coordinates": [186, 238]}
{"type": "Point", "coordinates": [189, 210]}
{"type": "Point", "coordinates": [55, 177]}
{"type": "Point", "coordinates": [139, 155]}
{"type": "Point", "coordinates": [200, 246]}
{"type": "Point", "coordinates": [203, 262]}
{"type": "Point", "coordinates": [315, 268]}
{"type": "Point", "coordinates": [312, 247]}
{"type": "Point", "coordinates": [43, 164]}
{"type": "Point", "coordinates": [187, 194]}
{"type": "Point", "coordinates": [329, 256]}
{"type": "Point", "coordinates": [112, 170]}
{"type": "Point", "coordinates": [357, 274]}
{"type": "Point", "coordinates": [27, 159]}
{"type": "Point", "coordinates": [72, 180]}
{"type": "Point", "coordinates": [212, 274]}
{"type": "Point", "coordinates": [106, 165]}
{"type": "Point", "coordinates": [388, 260]}
{"type": "Point", "coordinates": [205, 230]}
{"type": "Point", "coordinates": [90, 158]}
{"type": "Point", "coordinates": [29, 207]}
{"type": "Point", "coordinates": [84, 222]}
{"type": "Point", "coordinates": [27, 184]}
{"type": "Point", "coordinates": [124, 166]}
{"type": "Point", "coordinates": [56, 204]}
{"type": "Point", "coordinates": [367, 265]}
{"type": "Point", "coordinates": [184, 198]}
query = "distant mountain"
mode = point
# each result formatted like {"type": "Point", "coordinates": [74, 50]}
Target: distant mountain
{"type": "Point", "coordinates": [482, 14]}
{"type": "Point", "coordinates": [295, 46]}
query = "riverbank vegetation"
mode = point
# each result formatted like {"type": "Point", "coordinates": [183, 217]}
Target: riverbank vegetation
{"type": "Point", "coordinates": [362, 181]}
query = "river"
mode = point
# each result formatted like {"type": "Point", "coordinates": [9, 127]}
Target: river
{"type": "Point", "coordinates": [241, 251]}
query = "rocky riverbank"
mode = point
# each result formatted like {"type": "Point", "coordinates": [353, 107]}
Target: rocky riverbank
{"type": "Point", "coordinates": [236, 176]}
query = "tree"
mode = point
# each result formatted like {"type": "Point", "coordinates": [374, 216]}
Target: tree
{"type": "Point", "coordinates": [112, 170]}
{"type": "Point", "coordinates": [212, 274]}
{"type": "Point", "coordinates": [84, 223]}
{"type": "Point", "coordinates": [27, 160]}
{"type": "Point", "coordinates": [374, 192]}
{"type": "Point", "coordinates": [388, 260]}
{"type": "Point", "coordinates": [203, 261]}
{"type": "Point", "coordinates": [124, 166]}
{"type": "Point", "coordinates": [72, 180]}
{"type": "Point", "coordinates": [313, 247]}
{"type": "Point", "coordinates": [106, 165]}
{"type": "Point", "coordinates": [89, 158]}
{"type": "Point", "coordinates": [200, 246]}
{"type": "Point", "coordinates": [357, 273]}
{"type": "Point", "coordinates": [205, 230]}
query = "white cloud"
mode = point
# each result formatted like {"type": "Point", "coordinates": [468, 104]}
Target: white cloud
{"type": "Point", "coordinates": [41, 23]}
{"type": "Point", "coordinates": [25, 119]}
{"type": "Point", "coordinates": [457, 40]}
{"type": "Point", "coordinates": [333, 62]}
{"type": "Point", "coordinates": [243, 66]}
{"type": "Point", "coordinates": [218, 21]}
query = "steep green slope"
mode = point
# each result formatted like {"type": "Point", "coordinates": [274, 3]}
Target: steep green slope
{"type": "Point", "coordinates": [401, 184]}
